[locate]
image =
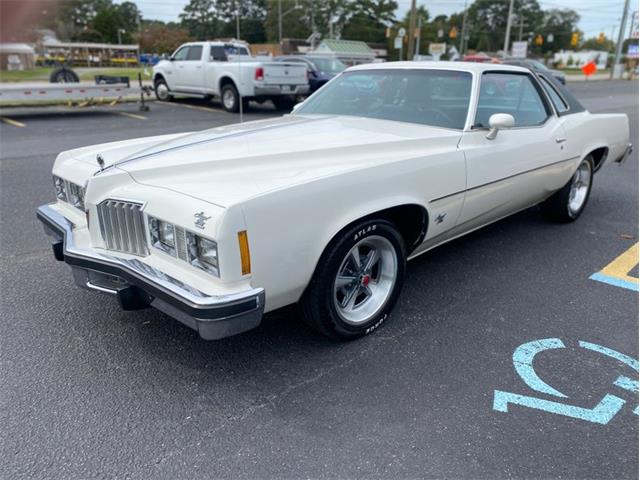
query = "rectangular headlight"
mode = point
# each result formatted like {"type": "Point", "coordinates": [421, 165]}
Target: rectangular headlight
{"type": "Point", "coordinates": [61, 188]}
{"type": "Point", "coordinates": [76, 195]}
{"type": "Point", "coordinates": [202, 253]}
{"type": "Point", "coordinates": [163, 235]}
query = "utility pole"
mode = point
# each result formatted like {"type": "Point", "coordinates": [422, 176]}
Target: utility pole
{"type": "Point", "coordinates": [237, 19]}
{"type": "Point", "coordinates": [464, 29]}
{"type": "Point", "coordinates": [521, 26]}
{"type": "Point", "coordinates": [507, 34]}
{"type": "Point", "coordinates": [280, 21]}
{"type": "Point", "coordinates": [412, 28]}
{"type": "Point", "coordinates": [623, 24]}
{"type": "Point", "coordinates": [419, 34]}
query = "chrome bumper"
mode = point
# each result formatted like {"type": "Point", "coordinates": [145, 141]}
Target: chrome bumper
{"type": "Point", "coordinates": [138, 285]}
{"type": "Point", "coordinates": [275, 90]}
{"type": "Point", "coordinates": [627, 153]}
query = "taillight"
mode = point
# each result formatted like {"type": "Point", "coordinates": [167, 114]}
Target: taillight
{"type": "Point", "coordinates": [259, 74]}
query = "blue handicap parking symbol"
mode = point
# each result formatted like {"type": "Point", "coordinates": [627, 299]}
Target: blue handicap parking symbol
{"type": "Point", "coordinates": [602, 413]}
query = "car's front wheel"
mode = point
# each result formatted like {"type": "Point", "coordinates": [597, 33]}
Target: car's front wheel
{"type": "Point", "coordinates": [567, 204]}
{"type": "Point", "coordinates": [162, 90]}
{"type": "Point", "coordinates": [357, 281]}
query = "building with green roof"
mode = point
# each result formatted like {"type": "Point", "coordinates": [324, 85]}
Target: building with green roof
{"type": "Point", "coordinates": [350, 52]}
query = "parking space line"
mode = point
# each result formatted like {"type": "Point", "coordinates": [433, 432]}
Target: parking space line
{"type": "Point", "coordinates": [184, 105]}
{"type": "Point", "coordinates": [132, 115]}
{"type": "Point", "coordinates": [617, 272]}
{"type": "Point", "coordinates": [10, 121]}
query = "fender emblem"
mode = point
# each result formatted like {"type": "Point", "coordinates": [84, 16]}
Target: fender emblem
{"type": "Point", "coordinates": [440, 218]}
{"type": "Point", "coordinates": [100, 161]}
{"type": "Point", "coordinates": [201, 220]}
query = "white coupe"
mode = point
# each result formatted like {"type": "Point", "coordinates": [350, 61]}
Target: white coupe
{"type": "Point", "coordinates": [323, 207]}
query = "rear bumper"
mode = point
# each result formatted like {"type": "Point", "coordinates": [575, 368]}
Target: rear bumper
{"type": "Point", "coordinates": [627, 153]}
{"type": "Point", "coordinates": [138, 285]}
{"type": "Point", "coordinates": [276, 90]}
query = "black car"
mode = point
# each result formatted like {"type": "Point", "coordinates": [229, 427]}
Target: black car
{"type": "Point", "coordinates": [536, 66]}
{"type": "Point", "coordinates": [321, 68]}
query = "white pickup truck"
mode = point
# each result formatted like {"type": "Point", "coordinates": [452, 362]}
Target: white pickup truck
{"type": "Point", "coordinates": [226, 70]}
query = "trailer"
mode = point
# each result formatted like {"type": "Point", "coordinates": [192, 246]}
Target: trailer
{"type": "Point", "coordinates": [103, 88]}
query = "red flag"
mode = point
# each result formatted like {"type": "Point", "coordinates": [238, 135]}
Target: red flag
{"type": "Point", "coordinates": [589, 69]}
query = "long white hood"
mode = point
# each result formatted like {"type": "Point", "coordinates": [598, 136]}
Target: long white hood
{"type": "Point", "coordinates": [228, 164]}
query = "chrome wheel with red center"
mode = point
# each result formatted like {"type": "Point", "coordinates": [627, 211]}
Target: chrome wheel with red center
{"type": "Point", "coordinates": [365, 279]}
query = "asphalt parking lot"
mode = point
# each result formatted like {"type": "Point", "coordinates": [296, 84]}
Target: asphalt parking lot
{"type": "Point", "coordinates": [89, 391]}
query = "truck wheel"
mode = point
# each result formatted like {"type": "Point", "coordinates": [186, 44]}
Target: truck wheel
{"type": "Point", "coordinates": [63, 75]}
{"type": "Point", "coordinates": [284, 104]}
{"type": "Point", "coordinates": [357, 281]}
{"type": "Point", "coordinates": [567, 204]}
{"type": "Point", "coordinates": [230, 98]}
{"type": "Point", "coordinates": [162, 90]}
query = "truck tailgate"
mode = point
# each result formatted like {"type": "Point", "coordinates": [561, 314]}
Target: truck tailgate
{"type": "Point", "coordinates": [283, 73]}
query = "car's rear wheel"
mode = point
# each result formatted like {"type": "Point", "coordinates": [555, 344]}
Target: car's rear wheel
{"type": "Point", "coordinates": [230, 98]}
{"type": "Point", "coordinates": [568, 203]}
{"type": "Point", "coordinates": [357, 281]}
{"type": "Point", "coordinates": [284, 103]}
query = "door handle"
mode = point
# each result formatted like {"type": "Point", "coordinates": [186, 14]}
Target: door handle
{"type": "Point", "coordinates": [560, 139]}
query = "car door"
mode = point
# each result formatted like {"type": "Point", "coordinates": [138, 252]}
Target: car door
{"type": "Point", "coordinates": [178, 60]}
{"type": "Point", "coordinates": [522, 165]}
{"type": "Point", "coordinates": [191, 72]}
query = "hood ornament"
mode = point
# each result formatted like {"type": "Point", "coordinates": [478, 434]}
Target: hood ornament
{"type": "Point", "coordinates": [100, 161]}
{"type": "Point", "coordinates": [201, 220]}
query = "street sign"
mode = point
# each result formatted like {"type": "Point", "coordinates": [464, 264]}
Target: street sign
{"type": "Point", "coordinates": [402, 32]}
{"type": "Point", "coordinates": [440, 33]}
{"type": "Point", "coordinates": [633, 51]}
{"type": "Point", "coordinates": [519, 49]}
{"type": "Point", "coordinates": [589, 69]}
{"type": "Point", "coordinates": [437, 48]}
{"type": "Point", "coordinates": [634, 25]}
{"type": "Point", "coordinates": [550, 38]}
{"type": "Point", "coordinates": [397, 43]}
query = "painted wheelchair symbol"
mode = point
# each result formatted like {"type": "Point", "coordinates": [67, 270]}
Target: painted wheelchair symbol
{"type": "Point", "coordinates": [602, 413]}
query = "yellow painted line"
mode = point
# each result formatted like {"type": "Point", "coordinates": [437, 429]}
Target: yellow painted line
{"type": "Point", "coordinates": [184, 105]}
{"type": "Point", "coordinates": [132, 115]}
{"type": "Point", "coordinates": [617, 272]}
{"type": "Point", "coordinates": [623, 264]}
{"type": "Point", "coordinates": [15, 123]}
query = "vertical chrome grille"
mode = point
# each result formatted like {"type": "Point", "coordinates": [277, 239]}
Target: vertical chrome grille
{"type": "Point", "coordinates": [181, 242]}
{"type": "Point", "coordinates": [122, 227]}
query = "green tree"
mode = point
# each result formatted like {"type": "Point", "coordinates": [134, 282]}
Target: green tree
{"type": "Point", "coordinates": [594, 44]}
{"type": "Point", "coordinates": [157, 37]}
{"type": "Point", "coordinates": [370, 20]}
{"type": "Point", "coordinates": [252, 17]}
{"type": "Point", "coordinates": [200, 19]}
{"type": "Point", "coordinates": [561, 23]}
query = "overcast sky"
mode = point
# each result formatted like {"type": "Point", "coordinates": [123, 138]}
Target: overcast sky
{"type": "Point", "coordinates": [596, 15]}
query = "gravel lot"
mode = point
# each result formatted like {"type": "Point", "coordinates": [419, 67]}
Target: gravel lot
{"type": "Point", "coordinates": [89, 391]}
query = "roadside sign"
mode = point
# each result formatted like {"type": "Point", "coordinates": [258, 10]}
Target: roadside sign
{"type": "Point", "coordinates": [634, 25]}
{"type": "Point", "coordinates": [519, 49]}
{"type": "Point", "coordinates": [402, 32]}
{"type": "Point", "coordinates": [633, 51]}
{"type": "Point", "coordinates": [589, 69]}
{"type": "Point", "coordinates": [397, 43]}
{"type": "Point", "coordinates": [440, 33]}
{"type": "Point", "coordinates": [437, 48]}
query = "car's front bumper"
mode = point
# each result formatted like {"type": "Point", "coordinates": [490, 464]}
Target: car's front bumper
{"type": "Point", "coordinates": [138, 285]}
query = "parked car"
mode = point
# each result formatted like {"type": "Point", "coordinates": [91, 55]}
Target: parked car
{"type": "Point", "coordinates": [227, 71]}
{"type": "Point", "coordinates": [324, 206]}
{"type": "Point", "coordinates": [320, 69]}
{"type": "Point", "coordinates": [536, 66]}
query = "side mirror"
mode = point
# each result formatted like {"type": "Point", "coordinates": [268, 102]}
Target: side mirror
{"type": "Point", "coordinates": [171, 59]}
{"type": "Point", "coordinates": [296, 106]}
{"type": "Point", "coordinates": [499, 121]}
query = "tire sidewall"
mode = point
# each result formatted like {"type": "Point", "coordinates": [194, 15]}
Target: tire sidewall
{"type": "Point", "coordinates": [157, 83]}
{"type": "Point", "coordinates": [574, 215]}
{"type": "Point", "coordinates": [234, 91]}
{"type": "Point", "coordinates": [339, 251]}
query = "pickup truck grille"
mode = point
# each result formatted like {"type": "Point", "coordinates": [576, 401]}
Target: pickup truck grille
{"type": "Point", "coordinates": [122, 227]}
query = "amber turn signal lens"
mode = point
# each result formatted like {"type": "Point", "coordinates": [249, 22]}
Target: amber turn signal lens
{"type": "Point", "coordinates": [245, 258]}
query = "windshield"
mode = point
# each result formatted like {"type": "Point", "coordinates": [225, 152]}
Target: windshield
{"type": "Point", "coordinates": [538, 65]}
{"type": "Point", "coordinates": [430, 97]}
{"type": "Point", "coordinates": [328, 65]}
